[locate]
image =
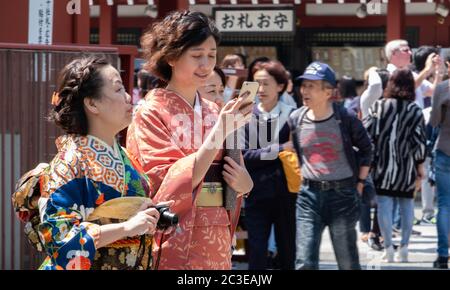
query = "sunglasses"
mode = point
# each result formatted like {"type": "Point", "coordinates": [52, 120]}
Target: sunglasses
{"type": "Point", "coordinates": [404, 49]}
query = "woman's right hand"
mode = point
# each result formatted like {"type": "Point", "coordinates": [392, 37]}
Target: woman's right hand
{"type": "Point", "coordinates": [233, 116]}
{"type": "Point", "coordinates": [420, 176]}
{"type": "Point", "coordinates": [144, 222]}
{"type": "Point", "coordinates": [421, 171]}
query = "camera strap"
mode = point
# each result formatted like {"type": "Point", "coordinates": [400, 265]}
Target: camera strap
{"type": "Point", "coordinates": [149, 258]}
{"type": "Point", "coordinates": [159, 252]}
{"type": "Point", "coordinates": [140, 252]}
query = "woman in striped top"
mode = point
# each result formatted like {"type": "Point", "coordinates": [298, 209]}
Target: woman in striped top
{"type": "Point", "coordinates": [397, 128]}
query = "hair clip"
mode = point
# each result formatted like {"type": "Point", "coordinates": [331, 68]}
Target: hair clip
{"type": "Point", "coordinates": [55, 99]}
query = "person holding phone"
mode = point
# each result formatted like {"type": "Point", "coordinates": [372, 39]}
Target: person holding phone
{"type": "Point", "coordinates": [246, 94]}
{"type": "Point", "coordinates": [270, 202]}
{"type": "Point", "coordinates": [178, 138]}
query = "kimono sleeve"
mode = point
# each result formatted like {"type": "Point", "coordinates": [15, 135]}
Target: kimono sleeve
{"type": "Point", "coordinates": [68, 239]}
{"type": "Point", "coordinates": [169, 169]}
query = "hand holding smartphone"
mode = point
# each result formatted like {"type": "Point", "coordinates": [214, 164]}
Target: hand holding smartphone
{"type": "Point", "coordinates": [248, 92]}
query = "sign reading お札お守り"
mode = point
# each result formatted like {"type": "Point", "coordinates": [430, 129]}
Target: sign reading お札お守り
{"type": "Point", "coordinates": [255, 20]}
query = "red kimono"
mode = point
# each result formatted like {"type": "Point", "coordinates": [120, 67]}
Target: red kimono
{"type": "Point", "coordinates": [163, 136]}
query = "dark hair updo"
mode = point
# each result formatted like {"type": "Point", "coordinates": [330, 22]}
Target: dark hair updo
{"type": "Point", "coordinates": [78, 80]}
{"type": "Point", "coordinates": [168, 39]}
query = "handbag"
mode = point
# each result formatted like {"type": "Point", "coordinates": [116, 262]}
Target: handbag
{"type": "Point", "coordinates": [291, 168]}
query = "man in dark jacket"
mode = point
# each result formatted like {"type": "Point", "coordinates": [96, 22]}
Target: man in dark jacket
{"type": "Point", "coordinates": [325, 136]}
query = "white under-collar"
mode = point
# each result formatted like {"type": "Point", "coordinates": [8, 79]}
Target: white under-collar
{"type": "Point", "coordinates": [115, 149]}
{"type": "Point", "coordinates": [391, 68]}
{"type": "Point", "coordinates": [197, 105]}
{"type": "Point", "coordinates": [274, 113]}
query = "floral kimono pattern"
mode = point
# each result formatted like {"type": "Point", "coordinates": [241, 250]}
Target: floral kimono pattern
{"type": "Point", "coordinates": [85, 173]}
{"type": "Point", "coordinates": [164, 135]}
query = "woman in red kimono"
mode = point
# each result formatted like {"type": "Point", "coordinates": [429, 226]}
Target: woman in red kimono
{"type": "Point", "coordinates": [178, 138]}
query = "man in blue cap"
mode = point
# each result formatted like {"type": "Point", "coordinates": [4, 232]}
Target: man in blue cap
{"type": "Point", "coordinates": [324, 134]}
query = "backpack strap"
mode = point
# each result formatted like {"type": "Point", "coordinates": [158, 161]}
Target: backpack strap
{"type": "Point", "coordinates": [294, 123]}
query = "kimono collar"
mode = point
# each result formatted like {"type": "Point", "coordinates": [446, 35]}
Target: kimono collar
{"type": "Point", "coordinates": [197, 102]}
{"type": "Point", "coordinates": [68, 142]}
{"type": "Point", "coordinates": [102, 145]}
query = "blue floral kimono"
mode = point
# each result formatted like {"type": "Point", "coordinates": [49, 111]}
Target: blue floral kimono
{"type": "Point", "coordinates": [85, 173]}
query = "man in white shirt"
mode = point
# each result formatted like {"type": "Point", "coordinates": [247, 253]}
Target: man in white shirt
{"type": "Point", "coordinates": [398, 54]}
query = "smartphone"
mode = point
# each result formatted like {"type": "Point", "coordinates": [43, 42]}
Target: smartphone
{"type": "Point", "coordinates": [248, 91]}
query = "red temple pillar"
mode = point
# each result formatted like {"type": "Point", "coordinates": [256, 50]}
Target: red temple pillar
{"type": "Point", "coordinates": [82, 24]}
{"type": "Point", "coordinates": [396, 12]}
{"type": "Point", "coordinates": [167, 6]}
{"type": "Point", "coordinates": [107, 23]}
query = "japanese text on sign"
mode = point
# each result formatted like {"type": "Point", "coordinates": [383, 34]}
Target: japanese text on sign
{"type": "Point", "coordinates": [255, 20]}
{"type": "Point", "coordinates": [40, 22]}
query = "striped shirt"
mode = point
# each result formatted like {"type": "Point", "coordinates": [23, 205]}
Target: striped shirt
{"type": "Point", "coordinates": [397, 130]}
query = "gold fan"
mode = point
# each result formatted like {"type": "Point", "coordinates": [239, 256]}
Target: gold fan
{"type": "Point", "coordinates": [118, 208]}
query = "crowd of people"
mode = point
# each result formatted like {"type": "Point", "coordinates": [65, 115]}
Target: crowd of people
{"type": "Point", "coordinates": [357, 154]}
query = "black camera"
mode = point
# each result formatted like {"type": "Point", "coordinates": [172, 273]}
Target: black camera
{"type": "Point", "coordinates": [166, 217]}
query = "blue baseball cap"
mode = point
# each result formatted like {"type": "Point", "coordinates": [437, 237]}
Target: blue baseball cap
{"type": "Point", "coordinates": [318, 71]}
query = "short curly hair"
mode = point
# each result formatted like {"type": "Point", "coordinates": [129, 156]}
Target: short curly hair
{"type": "Point", "coordinates": [168, 39]}
{"type": "Point", "coordinates": [277, 70]}
{"type": "Point", "coordinates": [401, 85]}
{"type": "Point", "coordinates": [78, 80]}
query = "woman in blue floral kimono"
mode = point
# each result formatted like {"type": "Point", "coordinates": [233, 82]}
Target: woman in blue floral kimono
{"type": "Point", "coordinates": [90, 170]}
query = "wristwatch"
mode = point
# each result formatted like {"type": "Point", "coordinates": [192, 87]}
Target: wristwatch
{"type": "Point", "coordinates": [360, 180]}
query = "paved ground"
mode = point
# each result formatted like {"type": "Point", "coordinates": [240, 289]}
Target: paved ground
{"type": "Point", "coordinates": [422, 252]}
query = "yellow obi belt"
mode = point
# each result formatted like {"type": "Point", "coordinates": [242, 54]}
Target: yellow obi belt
{"type": "Point", "coordinates": [210, 195]}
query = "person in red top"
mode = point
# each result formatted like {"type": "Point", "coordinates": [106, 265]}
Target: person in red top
{"type": "Point", "coordinates": [178, 138]}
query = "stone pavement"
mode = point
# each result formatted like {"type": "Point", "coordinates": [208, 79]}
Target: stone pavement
{"type": "Point", "coordinates": [422, 252]}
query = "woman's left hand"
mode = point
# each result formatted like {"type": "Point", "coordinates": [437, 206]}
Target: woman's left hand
{"type": "Point", "coordinates": [237, 176]}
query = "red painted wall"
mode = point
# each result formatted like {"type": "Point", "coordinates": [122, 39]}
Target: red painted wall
{"type": "Point", "coordinates": [14, 21]}
{"type": "Point", "coordinates": [431, 33]}
{"type": "Point", "coordinates": [62, 23]}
